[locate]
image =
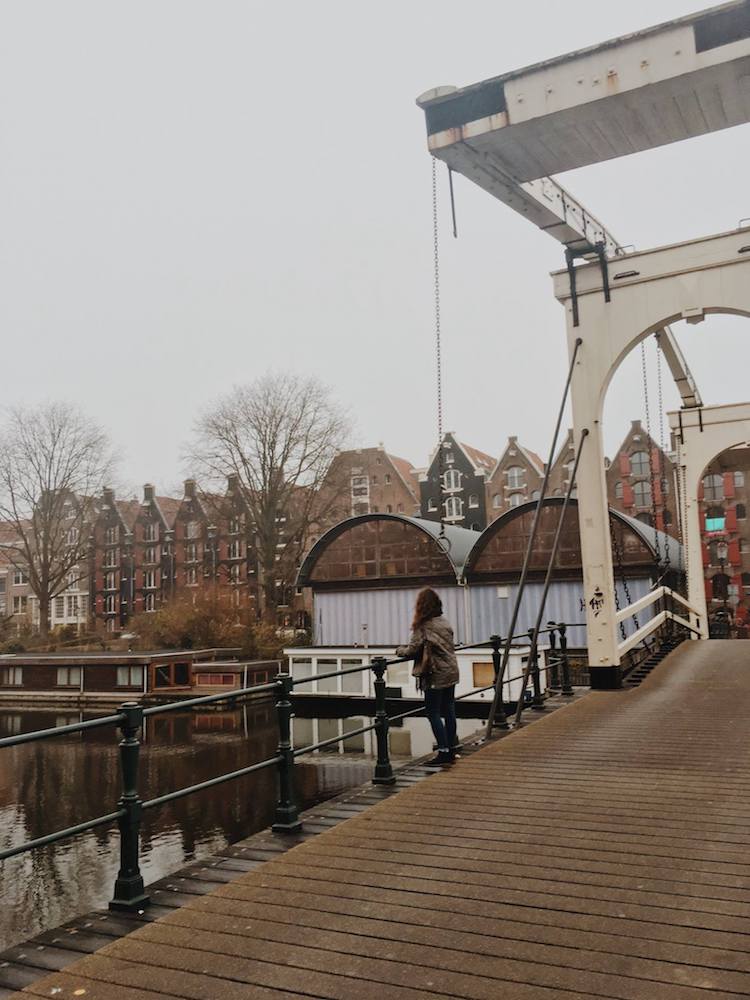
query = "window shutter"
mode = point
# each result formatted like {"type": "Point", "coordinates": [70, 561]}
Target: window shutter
{"type": "Point", "coordinates": [728, 484]}
{"type": "Point", "coordinates": [734, 553]}
{"type": "Point", "coordinates": [627, 495]}
{"type": "Point", "coordinates": [706, 555]}
{"type": "Point", "coordinates": [730, 523]}
{"type": "Point", "coordinates": [703, 521]}
{"type": "Point", "coordinates": [624, 465]}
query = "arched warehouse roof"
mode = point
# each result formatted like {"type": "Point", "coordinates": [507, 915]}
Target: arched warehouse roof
{"type": "Point", "coordinates": [501, 546]}
{"type": "Point", "coordinates": [387, 547]}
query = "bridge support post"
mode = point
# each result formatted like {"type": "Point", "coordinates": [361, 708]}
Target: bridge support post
{"type": "Point", "coordinates": [129, 891]}
{"type": "Point", "coordinates": [287, 814]}
{"type": "Point", "coordinates": [537, 703]}
{"type": "Point", "coordinates": [383, 770]}
{"type": "Point", "coordinates": [567, 687]}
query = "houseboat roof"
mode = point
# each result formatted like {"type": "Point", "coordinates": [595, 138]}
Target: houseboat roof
{"type": "Point", "coordinates": [124, 659]}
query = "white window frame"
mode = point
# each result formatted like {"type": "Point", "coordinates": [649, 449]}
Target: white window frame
{"type": "Point", "coordinates": [515, 475]}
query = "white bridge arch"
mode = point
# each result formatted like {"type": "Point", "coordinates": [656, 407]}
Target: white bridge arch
{"type": "Point", "coordinates": [648, 290]}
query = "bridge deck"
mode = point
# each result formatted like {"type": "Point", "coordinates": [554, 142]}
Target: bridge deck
{"type": "Point", "coordinates": [602, 853]}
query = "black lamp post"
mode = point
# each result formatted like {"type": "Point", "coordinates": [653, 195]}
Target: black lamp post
{"type": "Point", "coordinates": [722, 551]}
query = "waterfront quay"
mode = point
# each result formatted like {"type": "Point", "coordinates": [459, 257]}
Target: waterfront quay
{"type": "Point", "coordinates": [600, 852]}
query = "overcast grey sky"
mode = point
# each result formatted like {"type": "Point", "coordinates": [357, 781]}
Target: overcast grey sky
{"type": "Point", "coordinates": [195, 191]}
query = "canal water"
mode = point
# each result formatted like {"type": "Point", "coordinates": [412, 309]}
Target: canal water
{"type": "Point", "coordinates": [51, 784]}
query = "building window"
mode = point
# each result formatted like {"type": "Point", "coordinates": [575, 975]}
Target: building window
{"type": "Point", "coordinates": [713, 487]}
{"type": "Point", "coordinates": [234, 573]}
{"type": "Point", "coordinates": [387, 479]}
{"type": "Point", "coordinates": [389, 508]}
{"type": "Point", "coordinates": [111, 557]}
{"type": "Point", "coordinates": [69, 677]}
{"type": "Point", "coordinates": [149, 579]}
{"type": "Point", "coordinates": [664, 487]}
{"type": "Point", "coordinates": [360, 486]}
{"type": "Point", "coordinates": [149, 602]}
{"type": "Point", "coordinates": [454, 508]}
{"type": "Point", "coordinates": [71, 536]}
{"type": "Point", "coordinates": [535, 495]}
{"type": "Point", "coordinates": [667, 518]}
{"type": "Point", "coordinates": [111, 535]}
{"type": "Point", "coordinates": [400, 508]}
{"type": "Point", "coordinates": [431, 504]}
{"type": "Point", "coordinates": [452, 480]}
{"type": "Point", "coordinates": [473, 500]}
{"type": "Point", "coordinates": [639, 465]}
{"type": "Point", "coordinates": [191, 576]}
{"type": "Point", "coordinates": [235, 549]}
{"type": "Point", "coordinates": [130, 677]}
{"type": "Point", "coordinates": [715, 519]}
{"type": "Point", "coordinates": [746, 584]}
{"type": "Point", "coordinates": [741, 511]}
{"type": "Point", "coordinates": [110, 604]}
{"type": "Point", "coordinates": [497, 501]}
{"type": "Point", "coordinates": [515, 499]}
{"type": "Point", "coordinates": [19, 578]}
{"type": "Point", "coordinates": [11, 676]}
{"type": "Point", "coordinates": [642, 493]}
{"type": "Point", "coordinates": [110, 581]}
{"type": "Point", "coordinates": [515, 477]}
{"type": "Point", "coordinates": [150, 555]}
{"type": "Point", "coordinates": [73, 609]}
{"type": "Point", "coordinates": [618, 490]}
{"type": "Point", "coordinates": [720, 586]}
{"type": "Point", "coordinates": [193, 529]}
{"type": "Point", "coordinates": [151, 532]}
{"type": "Point", "coordinates": [59, 607]}
{"type": "Point", "coordinates": [739, 478]}
{"type": "Point", "coordinates": [645, 518]}
{"type": "Point", "coordinates": [20, 605]}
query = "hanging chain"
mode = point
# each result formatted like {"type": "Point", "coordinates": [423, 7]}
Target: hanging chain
{"type": "Point", "coordinates": [684, 531]}
{"type": "Point", "coordinates": [644, 371]}
{"type": "Point", "coordinates": [623, 579]}
{"type": "Point", "coordinates": [438, 346]}
{"type": "Point", "coordinates": [662, 454]}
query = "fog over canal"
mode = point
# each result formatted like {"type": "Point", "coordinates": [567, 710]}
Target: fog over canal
{"type": "Point", "coordinates": [51, 784]}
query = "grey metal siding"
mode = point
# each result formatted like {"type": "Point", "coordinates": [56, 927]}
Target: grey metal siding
{"type": "Point", "coordinates": [339, 616]}
{"type": "Point", "coordinates": [491, 614]}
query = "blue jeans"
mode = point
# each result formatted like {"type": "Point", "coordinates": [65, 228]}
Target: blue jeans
{"type": "Point", "coordinates": [441, 705]}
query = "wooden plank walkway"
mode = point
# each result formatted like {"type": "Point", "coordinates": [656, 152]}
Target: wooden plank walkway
{"type": "Point", "coordinates": [600, 853]}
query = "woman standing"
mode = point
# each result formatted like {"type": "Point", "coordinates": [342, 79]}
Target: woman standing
{"type": "Point", "coordinates": [436, 670]}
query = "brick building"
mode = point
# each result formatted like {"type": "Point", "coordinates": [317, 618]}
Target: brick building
{"type": "Point", "coordinates": [516, 478]}
{"type": "Point", "coordinates": [640, 481]}
{"type": "Point", "coordinates": [466, 472]}
{"type": "Point", "coordinates": [371, 481]}
{"type": "Point", "coordinates": [723, 500]}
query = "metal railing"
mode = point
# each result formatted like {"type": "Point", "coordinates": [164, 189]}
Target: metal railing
{"type": "Point", "coordinates": [129, 892]}
{"type": "Point", "coordinates": [669, 600]}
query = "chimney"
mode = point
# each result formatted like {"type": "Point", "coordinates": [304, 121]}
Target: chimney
{"type": "Point", "coordinates": [108, 496]}
{"type": "Point", "coordinates": [636, 425]}
{"type": "Point", "coordinates": [190, 489]}
{"type": "Point", "coordinates": [148, 493]}
{"type": "Point", "coordinates": [512, 440]}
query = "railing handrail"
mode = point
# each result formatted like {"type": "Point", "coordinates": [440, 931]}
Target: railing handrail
{"type": "Point", "coordinates": [129, 889]}
{"type": "Point", "coordinates": [651, 598]}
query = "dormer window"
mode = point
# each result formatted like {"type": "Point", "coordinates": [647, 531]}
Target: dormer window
{"type": "Point", "coordinates": [449, 458]}
{"type": "Point", "coordinates": [515, 477]}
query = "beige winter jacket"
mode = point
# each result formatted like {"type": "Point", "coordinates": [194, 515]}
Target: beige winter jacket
{"type": "Point", "coordinates": [439, 634]}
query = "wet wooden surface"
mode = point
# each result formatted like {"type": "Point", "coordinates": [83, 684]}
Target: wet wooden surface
{"type": "Point", "coordinates": [600, 853]}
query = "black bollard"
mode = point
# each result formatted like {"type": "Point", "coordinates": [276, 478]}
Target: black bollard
{"type": "Point", "coordinates": [538, 701]}
{"type": "Point", "coordinates": [287, 814]}
{"type": "Point", "coordinates": [383, 770]}
{"type": "Point", "coordinates": [129, 894]}
{"type": "Point", "coordinates": [567, 687]}
{"type": "Point", "coordinates": [501, 721]}
{"type": "Point", "coordinates": [554, 677]}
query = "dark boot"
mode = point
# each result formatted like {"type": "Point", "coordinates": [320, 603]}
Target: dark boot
{"type": "Point", "coordinates": [443, 759]}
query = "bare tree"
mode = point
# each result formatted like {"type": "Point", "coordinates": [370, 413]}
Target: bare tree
{"type": "Point", "coordinates": [54, 463]}
{"type": "Point", "coordinates": [278, 437]}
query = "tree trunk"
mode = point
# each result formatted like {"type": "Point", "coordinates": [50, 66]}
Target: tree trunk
{"type": "Point", "coordinates": [44, 605]}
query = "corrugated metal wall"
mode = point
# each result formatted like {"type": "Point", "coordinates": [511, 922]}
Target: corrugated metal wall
{"type": "Point", "coordinates": [339, 617]}
{"type": "Point", "coordinates": [491, 612]}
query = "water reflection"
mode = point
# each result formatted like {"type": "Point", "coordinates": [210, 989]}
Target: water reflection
{"type": "Point", "coordinates": [52, 784]}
